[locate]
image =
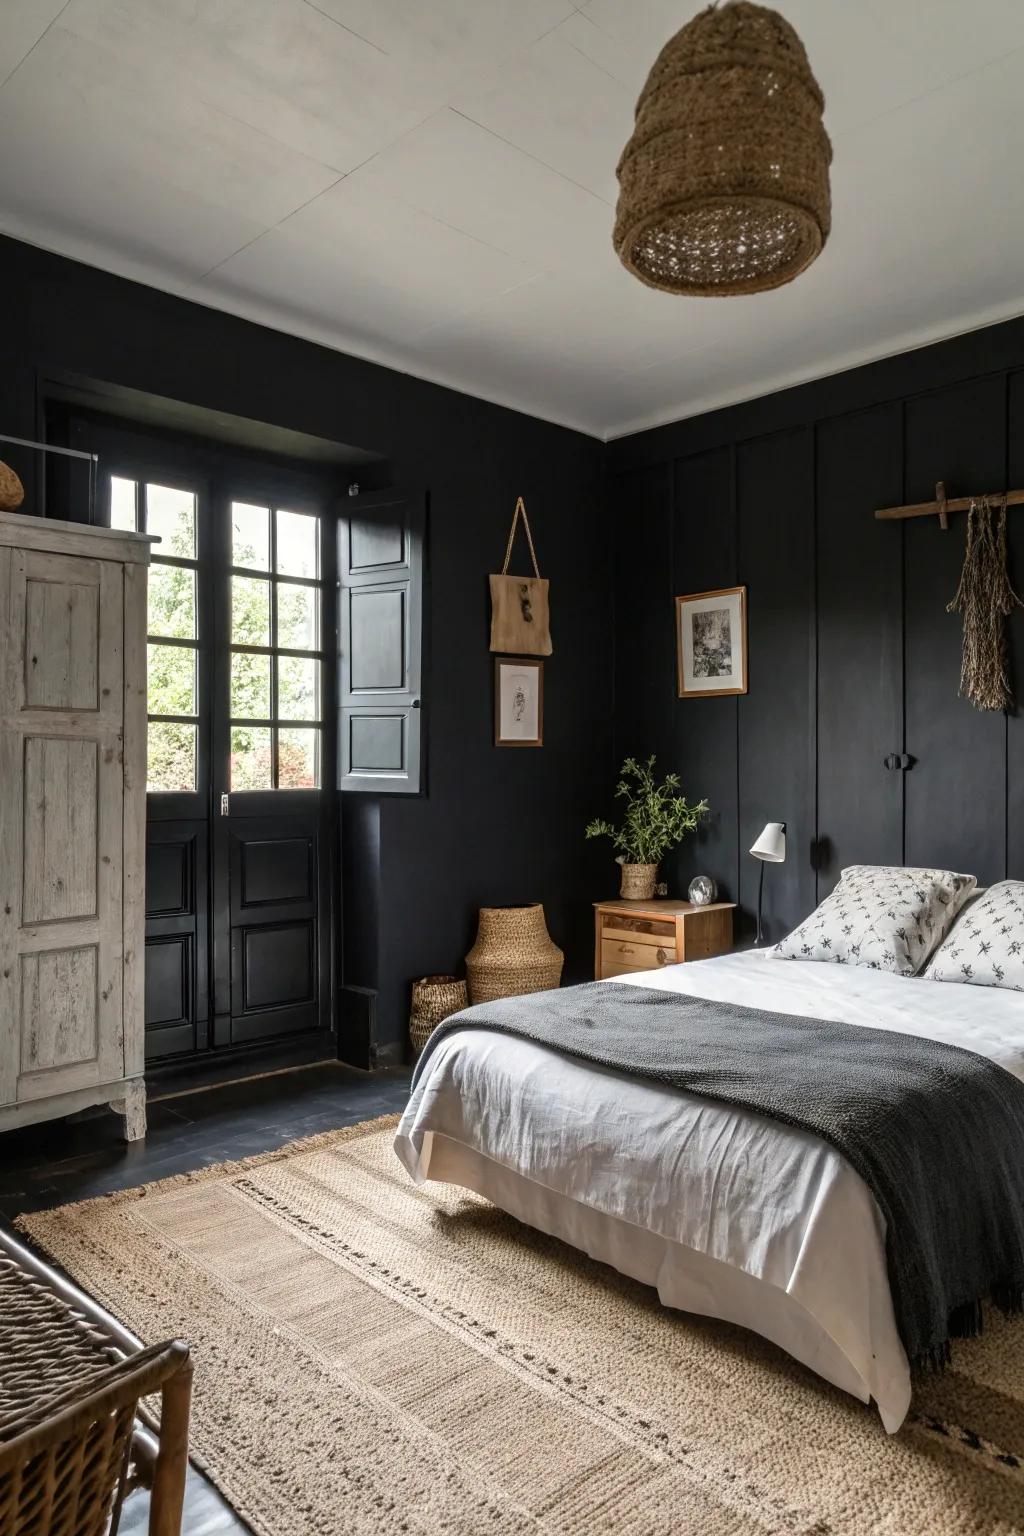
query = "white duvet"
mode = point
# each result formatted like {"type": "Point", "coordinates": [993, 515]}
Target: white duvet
{"type": "Point", "coordinates": [728, 1213]}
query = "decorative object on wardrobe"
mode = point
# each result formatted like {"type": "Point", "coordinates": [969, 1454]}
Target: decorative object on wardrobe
{"type": "Point", "coordinates": [513, 953]}
{"type": "Point", "coordinates": [434, 998]}
{"type": "Point", "coordinates": [724, 184]}
{"type": "Point", "coordinates": [12, 492]}
{"type": "Point", "coordinates": [90, 460]}
{"type": "Point", "coordinates": [770, 848]}
{"type": "Point", "coordinates": [702, 890]}
{"type": "Point", "coordinates": [72, 820]}
{"type": "Point", "coordinates": [656, 819]}
{"type": "Point", "coordinates": [519, 604]}
{"type": "Point", "coordinates": [518, 702]}
{"type": "Point", "coordinates": [643, 936]}
{"type": "Point", "coordinates": [711, 643]}
{"type": "Point", "coordinates": [986, 599]}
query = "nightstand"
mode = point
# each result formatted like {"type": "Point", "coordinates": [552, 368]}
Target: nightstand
{"type": "Point", "coordinates": [642, 935]}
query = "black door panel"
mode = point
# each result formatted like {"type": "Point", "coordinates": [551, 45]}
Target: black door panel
{"type": "Point", "coordinates": [177, 986]}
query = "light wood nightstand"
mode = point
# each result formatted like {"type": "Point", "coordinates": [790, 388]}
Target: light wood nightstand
{"type": "Point", "coordinates": [642, 935]}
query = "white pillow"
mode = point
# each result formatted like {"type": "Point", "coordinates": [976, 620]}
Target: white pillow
{"type": "Point", "coordinates": [882, 917]}
{"type": "Point", "coordinates": [986, 946]}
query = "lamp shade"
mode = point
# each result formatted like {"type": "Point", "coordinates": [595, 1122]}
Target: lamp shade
{"type": "Point", "coordinates": [724, 183]}
{"type": "Point", "coordinates": [771, 845]}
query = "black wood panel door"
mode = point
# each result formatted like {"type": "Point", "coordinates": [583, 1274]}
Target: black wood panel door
{"type": "Point", "coordinates": [956, 790]}
{"type": "Point", "coordinates": [274, 879]}
{"type": "Point", "coordinates": [242, 617]}
{"type": "Point", "coordinates": [860, 643]}
{"type": "Point", "coordinates": [380, 659]}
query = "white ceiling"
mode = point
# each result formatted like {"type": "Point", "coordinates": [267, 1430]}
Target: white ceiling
{"type": "Point", "coordinates": [430, 183]}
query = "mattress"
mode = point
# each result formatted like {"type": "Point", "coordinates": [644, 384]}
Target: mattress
{"type": "Point", "coordinates": [727, 1213]}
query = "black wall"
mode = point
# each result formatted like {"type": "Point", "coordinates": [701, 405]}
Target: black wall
{"type": "Point", "coordinates": [496, 826]}
{"type": "Point", "coordinates": [852, 654]}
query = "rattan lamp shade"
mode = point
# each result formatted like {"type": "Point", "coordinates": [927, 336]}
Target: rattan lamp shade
{"type": "Point", "coordinates": [724, 184]}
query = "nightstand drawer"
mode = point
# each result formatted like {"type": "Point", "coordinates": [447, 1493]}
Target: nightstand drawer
{"type": "Point", "coordinates": [627, 955]}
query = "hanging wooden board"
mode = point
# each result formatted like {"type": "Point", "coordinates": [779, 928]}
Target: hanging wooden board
{"type": "Point", "coordinates": [520, 624]}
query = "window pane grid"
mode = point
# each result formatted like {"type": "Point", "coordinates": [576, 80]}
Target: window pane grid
{"type": "Point", "coordinates": [276, 596]}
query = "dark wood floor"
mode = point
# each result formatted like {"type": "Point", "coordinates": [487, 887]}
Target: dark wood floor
{"type": "Point", "coordinates": [52, 1164]}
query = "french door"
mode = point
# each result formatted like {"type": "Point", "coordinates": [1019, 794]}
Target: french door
{"type": "Point", "coordinates": [238, 879]}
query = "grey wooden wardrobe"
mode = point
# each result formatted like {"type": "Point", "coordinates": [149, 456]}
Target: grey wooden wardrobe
{"type": "Point", "coordinates": [72, 820]}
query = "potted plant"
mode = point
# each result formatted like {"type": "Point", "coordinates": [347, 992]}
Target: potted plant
{"type": "Point", "coordinates": [656, 819]}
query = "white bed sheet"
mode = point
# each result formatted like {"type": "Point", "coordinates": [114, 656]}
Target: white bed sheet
{"type": "Point", "coordinates": [744, 1218]}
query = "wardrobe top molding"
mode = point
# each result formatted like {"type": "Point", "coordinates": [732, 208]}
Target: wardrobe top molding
{"type": "Point", "coordinates": [943, 505]}
{"type": "Point", "coordinates": [55, 537]}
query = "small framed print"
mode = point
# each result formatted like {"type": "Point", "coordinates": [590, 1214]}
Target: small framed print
{"type": "Point", "coordinates": [518, 702]}
{"type": "Point", "coordinates": [711, 643]}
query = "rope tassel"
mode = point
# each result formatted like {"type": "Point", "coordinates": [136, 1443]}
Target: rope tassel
{"type": "Point", "coordinates": [986, 599]}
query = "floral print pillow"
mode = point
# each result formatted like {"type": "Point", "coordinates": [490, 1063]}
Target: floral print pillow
{"type": "Point", "coordinates": [986, 947]}
{"type": "Point", "coordinates": [883, 917]}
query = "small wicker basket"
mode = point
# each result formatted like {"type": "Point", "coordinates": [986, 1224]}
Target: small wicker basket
{"type": "Point", "coordinates": [434, 998]}
{"type": "Point", "coordinates": [638, 881]}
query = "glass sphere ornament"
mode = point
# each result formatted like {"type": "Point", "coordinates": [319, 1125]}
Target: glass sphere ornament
{"type": "Point", "coordinates": [702, 890]}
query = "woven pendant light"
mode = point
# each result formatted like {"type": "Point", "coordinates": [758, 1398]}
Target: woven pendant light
{"type": "Point", "coordinates": [723, 186]}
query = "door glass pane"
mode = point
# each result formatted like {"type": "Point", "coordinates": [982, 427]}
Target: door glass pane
{"type": "Point", "coordinates": [172, 602]}
{"type": "Point", "coordinates": [122, 503]}
{"type": "Point", "coordinates": [172, 680]}
{"type": "Point", "coordinates": [297, 754]}
{"type": "Point", "coordinates": [250, 610]}
{"type": "Point", "coordinates": [250, 536]}
{"type": "Point", "coordinates": [296, 544]}
{"type": "Point", "coordinates": [171, 515]}
{"type": "Point", "coordinates": [251, 764]}
{"type": "Point", "coordinates": [297, 617]}
{"type": "Point", "coordinates": [298, 688]}
{"type": "Point", "coordinates": [250, 686]}
{"type": "Point", "coordinates": [171, 756]}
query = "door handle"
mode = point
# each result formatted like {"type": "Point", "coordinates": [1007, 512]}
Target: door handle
{"type": "Point", "coordinates": [898, 760]}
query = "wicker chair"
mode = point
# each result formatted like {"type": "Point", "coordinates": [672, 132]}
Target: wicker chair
{"type": "Point", "coordinates": [71, 1449]}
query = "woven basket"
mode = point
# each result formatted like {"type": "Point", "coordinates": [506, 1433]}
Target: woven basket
{"type": "Point", "coordinates": [638, 881]}
{"type": "Point", "coordinates": [513, 954]}
{"type": "Point", "coordinates": [724, 184]}
{"type": "Point", "coordinates": [12, 492]}
{"type": "Point", "coordinates": [434, 998]}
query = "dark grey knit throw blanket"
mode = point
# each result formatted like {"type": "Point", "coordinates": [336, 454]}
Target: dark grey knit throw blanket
{"type": "Point", "coordinates": [935, 1131]}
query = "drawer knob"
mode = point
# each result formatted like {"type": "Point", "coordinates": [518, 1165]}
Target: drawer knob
{"type": "Point", "coordinates": [662, 957]}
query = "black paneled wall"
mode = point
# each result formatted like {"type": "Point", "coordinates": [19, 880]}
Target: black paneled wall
{"type": "Point", "coordinates": [852, 654]}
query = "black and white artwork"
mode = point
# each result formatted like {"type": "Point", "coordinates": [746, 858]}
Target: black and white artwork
{"type": "Point", "coordinates": [712, 642]}
{"type": "Point", "coordinates": [518, 702]}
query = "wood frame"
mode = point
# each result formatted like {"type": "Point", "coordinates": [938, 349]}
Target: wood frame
{"type": "Point", "coordinates": [711, 693]}
{"type": "Point", "coordinates": [537, 664]}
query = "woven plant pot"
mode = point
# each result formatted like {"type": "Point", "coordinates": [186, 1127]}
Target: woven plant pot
{"type": "Point", "coordinates": [513, 954]}
{"type": "Point", "coordinates": [12, 492]}
{"type": "Point", "coordinates": [434, 998]}
{"type": "Point", "coordinates": [724, 184]}
{"type": "Point", "coordinates": [638, 881]}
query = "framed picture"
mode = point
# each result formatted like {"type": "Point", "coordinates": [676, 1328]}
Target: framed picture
{"type": "Point", "coordinates": [711, 643]}
{"type": "Point", "coordinates": [518, 702]}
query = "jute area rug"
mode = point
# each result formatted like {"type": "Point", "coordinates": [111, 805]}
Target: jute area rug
{"type": "Point", "coordinates": [376, 1359]}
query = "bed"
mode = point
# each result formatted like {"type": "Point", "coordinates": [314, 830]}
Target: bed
{"type": "Point", "coordinates": [727, 1213]}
